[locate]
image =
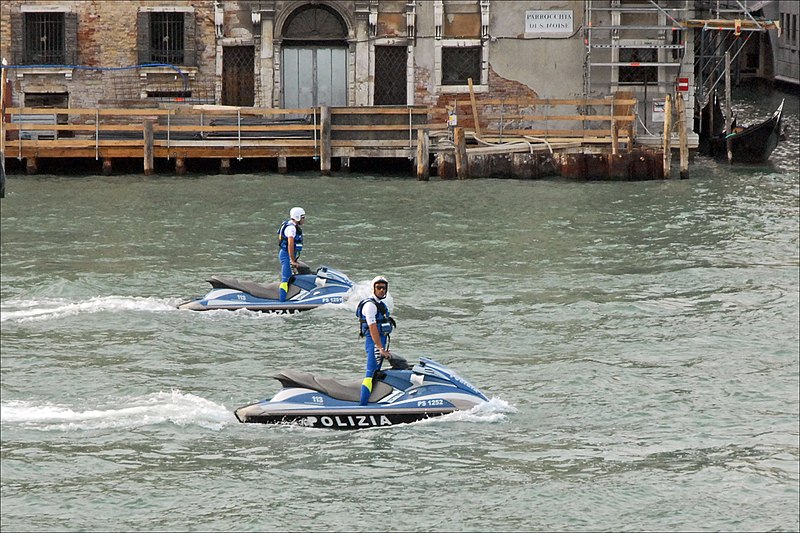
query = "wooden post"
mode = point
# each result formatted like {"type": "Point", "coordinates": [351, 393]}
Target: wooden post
{"type": "Point", "coordinates": [728, 113]}
{"type": "Point", "coordinates": [282, 166]}
{"type": "Point", "coordinates": [710, 105]}
{"type": "Point", "coordinates": [614, 132]}
{"type": "Point", "coordinates": [667, 136]}
{"type": "Point", "coordinates": [106, 166]}
{"type": "Point", "coordinates": [344, 163]}
{"type": "Point", "coordinates": [423, 151]}
{"type": "Point", "coordinates": [461, 153]}
{"type": "Point", "coordinates": [474, 108]}
{"type": "Point", "coordinates": [629, 133]}
{"type": "Point", "coordinates": [614, 136]}
{"type": "Point", "coordinates": [31, 166]}
{"type": "Point", "coordinates": [445, 165]}
{"type": "Point", "coordinates": [3, 131]}
{"type": "Point", "coordinates": [325, 140]}
{"type": "Point", "coordinates": [148, 148]}
{"type": "Point", "coordinates": [3, 78]}
{"type": "Point", "coordinates": [180, 166]}
{"type": "Point", "coordinates": [623, 110]}
{"type": "Point", "coordinates": [225, 165]}
{"type": "Point", "coordinates": [684, 147]}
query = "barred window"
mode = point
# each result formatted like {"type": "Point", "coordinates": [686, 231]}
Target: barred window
{"type": "Point", "coordinates": [44, 39]}
{"type": "Point", "coordinates": [636, 75]}
{"type": "Point", "coordinates": [461, 63]}
{"type": "Point", "coordinates": [166, 38]}
{"type": "Point", "coordinates": [390, 75]}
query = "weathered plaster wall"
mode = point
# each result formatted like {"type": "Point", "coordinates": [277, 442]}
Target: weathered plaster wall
{"type": "Point", "coordinates": [552, 66]}
{"type": "Point", "coordinates": [519, 67]}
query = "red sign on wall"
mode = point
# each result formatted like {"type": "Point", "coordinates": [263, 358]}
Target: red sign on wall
{"type": "Point", "coordinates": [683, 85]}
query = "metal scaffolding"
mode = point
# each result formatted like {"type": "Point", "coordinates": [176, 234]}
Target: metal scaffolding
{"type": "Point", "coordinates": [655, 47]}
{"type": "Point", "coordinates": [633, 43]}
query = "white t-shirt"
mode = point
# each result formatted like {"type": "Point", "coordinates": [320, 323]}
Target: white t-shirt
{"type": "Point", "coordinates": [290, 230]}
{"type": "Point", "coordinates": [370, 311]}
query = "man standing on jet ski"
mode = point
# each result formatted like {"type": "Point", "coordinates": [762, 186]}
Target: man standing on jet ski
{"type": "Point", "coordinates": [290, 244]}
{"type": "Point", "coordinates": [375, 326]}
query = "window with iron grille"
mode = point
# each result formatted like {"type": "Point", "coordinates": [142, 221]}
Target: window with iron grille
{"type": "Point", "coordinates": [44, 39]}
{"type": "Point", "coordinates": [390, 75]}
{"type": "Point", "coordinates": [636, 75]}
{"type": "Point", "coordinates": [461, 63]}
{"type": "Point", "coordinates": [166, 38]}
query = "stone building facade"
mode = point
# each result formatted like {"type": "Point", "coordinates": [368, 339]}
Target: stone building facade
{"type": "Point", "coordinates": [302, 53]}
{"type": "Point", "coordinates": [285, 53]}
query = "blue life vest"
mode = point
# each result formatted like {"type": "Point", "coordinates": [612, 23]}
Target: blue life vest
{"type": "Point", "coordinates": [384, 322]}
{"type": "Point", "coordinates": [283, 242]}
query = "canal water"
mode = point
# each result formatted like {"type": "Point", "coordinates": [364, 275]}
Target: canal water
{"type": "Point", "coordinates": [639, 343]}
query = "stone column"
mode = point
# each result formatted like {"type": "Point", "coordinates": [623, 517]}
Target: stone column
{"type": "Point", "coordinates": [361, 54]}
{"type": "Point", "coordinates": [266, 60]}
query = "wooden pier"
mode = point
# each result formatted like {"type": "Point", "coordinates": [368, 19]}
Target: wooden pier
{"type": "Point", "coordinates": [211, 132]}
{"type": "Point", "coordinates": [509, 138]}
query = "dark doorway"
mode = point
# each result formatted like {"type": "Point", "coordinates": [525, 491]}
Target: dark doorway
{"type": "Point", "coordinates": [238, 83]}
{"type": "Point", "coordinates": [390, 75]}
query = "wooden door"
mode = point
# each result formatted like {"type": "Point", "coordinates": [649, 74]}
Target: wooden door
{"type": "Point", "coordinates": [238, 76]}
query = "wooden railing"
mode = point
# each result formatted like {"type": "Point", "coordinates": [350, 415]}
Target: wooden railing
{"type": "Point", "coordinates": [122, 132]}
{"type": "Point", "coordinates": [549, 123]}
{"type": "Point", "coordinates": [214, 131]}
{"type": "Point", "coordinates": [224, 132]}
{"type": "Point", "coordinates": [591, 120]}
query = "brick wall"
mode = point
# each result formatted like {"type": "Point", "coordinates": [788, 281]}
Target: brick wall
{"type": "Point", "coordinates": [107, 39]}
{"type": "Point", "coordinates": [499, 88]}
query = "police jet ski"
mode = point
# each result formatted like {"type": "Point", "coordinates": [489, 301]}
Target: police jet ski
{"type": "Point", "coordinates": [307, 290]}
{"type": "Point", "coordinates": [399, 395]}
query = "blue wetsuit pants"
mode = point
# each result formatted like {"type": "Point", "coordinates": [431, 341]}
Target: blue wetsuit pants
{"type": "Point", "coordinates": [286, 273]}
{"type": "Point", "coordinates": [374, 361]}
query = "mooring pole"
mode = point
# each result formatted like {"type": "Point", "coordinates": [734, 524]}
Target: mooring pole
{"type": "Point", "coordinates": [461, 153]}
{"type": "Point", "coordinates": [148, 147]}
{"type": "Point", "coordinates": [728, 117]}
{"type": "Point", "coordinates": [684, 147]}
{"type": "Point", "coordinates": [667, 136]}
{"type": "Point", "coordinates": [325, 140]}
{"type": "Point", "coordinates": [3, 78]}
{"type": "Point", "coordinates": [423, 150]}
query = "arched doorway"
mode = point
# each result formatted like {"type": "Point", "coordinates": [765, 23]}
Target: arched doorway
{"type": "Point", "coordinates": [314, 58]}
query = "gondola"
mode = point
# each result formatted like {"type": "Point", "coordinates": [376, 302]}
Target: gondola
{"type": "Point", "coordinates": [708, 124]}
{"type": "Point", "coordinates": [749, 144]}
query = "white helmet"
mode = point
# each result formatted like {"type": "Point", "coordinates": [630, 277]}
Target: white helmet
{"type": "Point", "coordinates": [380, 279]}
{"type": "Point", "coordinates": [297, 213]}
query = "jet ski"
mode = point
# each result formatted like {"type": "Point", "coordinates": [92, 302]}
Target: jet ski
{"type": "Point", "coordinates": [307, 290]}
{"type": "Point", "coordinates": [399, 395]}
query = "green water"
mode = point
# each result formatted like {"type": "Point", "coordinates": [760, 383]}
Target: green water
{"type": "Point", "coordinates": [639, 343]}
